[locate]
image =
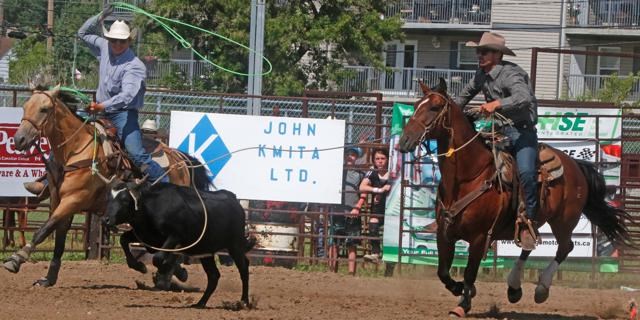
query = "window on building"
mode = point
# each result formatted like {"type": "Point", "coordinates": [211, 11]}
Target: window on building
{"type": "Point", "coordinates": [467, 59]}
{"type": "Point", "coordinates": [608, 65]}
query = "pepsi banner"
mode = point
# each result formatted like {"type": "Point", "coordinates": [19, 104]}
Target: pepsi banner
{"type": "Point", "coordinates": [265, 158]}
{"type": "Point", "coordinates": [17, 167]}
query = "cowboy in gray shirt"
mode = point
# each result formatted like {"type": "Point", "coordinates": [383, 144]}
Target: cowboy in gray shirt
{"type": "Point", "coordinates": [507, 90]}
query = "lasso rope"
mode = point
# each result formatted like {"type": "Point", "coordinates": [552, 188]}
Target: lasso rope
{"type": "Point", "coordinates": [183, 163]}
{"type": "Point", "coordinates": [163, 22]}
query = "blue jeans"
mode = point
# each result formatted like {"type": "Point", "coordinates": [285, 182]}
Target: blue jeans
{"type": "Point", "coordinates": [524, 147]}
{"type": "Point", "coordinates": [129, 133]}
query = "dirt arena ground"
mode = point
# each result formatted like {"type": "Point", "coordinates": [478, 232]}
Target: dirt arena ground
{"type": "Point", "coordinates": [94, 290]}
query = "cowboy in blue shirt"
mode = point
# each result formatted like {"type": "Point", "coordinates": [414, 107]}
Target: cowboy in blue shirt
{"type": "Point", "coordinates": [121, 89]}
{"type": "Point", "coordinates": [120, 92]}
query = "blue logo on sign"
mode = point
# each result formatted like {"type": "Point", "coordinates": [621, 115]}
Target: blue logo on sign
{"type": "Point", "coordinates": [204, 143]}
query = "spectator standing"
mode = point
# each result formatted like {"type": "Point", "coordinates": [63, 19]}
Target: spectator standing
{"type": "Point", "coordinates": [376, 183]}
{"type": "Point", "coordinates": [345, 220]}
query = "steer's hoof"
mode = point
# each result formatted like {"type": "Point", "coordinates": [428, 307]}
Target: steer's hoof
{"type": "Point", "coordinates": [199, 305]}
{"type": "Point", "coordinates": [457, 312]}
{"type": "Point", "coordinates": [181, 273]}
{"type": "Point", "coordinates": [514, 295]}
{"type": "Point", "coordinates": [139, 266]}
{"type": "Point", "coordinates": [43, 282]}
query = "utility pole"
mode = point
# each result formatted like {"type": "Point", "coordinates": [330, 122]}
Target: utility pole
{"type": "Point", "coordinates": [256, 43]}
{"type": "Point", "coordinates": [50, 25]}
{"type": "Point", "coordinates": [2, 18]}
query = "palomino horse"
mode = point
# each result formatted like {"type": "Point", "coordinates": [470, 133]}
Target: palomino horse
{"type": "Point", "coordinates": [72, 185]}
{"type": "Point", "coordinates": [472, 207]}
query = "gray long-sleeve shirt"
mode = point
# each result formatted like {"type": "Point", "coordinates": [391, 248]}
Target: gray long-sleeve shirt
{"type": "Point", "coordinates": [508, 83]}
{"type": "Point", "coordinates": [122, 77]}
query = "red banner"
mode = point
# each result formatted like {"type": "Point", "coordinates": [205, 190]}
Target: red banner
{"type": "Point", "coordinates": [10, 157]}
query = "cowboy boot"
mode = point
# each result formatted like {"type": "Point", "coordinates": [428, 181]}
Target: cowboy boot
{"type": "Point", "coordinates": [39, 187]}
{"type": "Point", "coordinates": [528, 237]}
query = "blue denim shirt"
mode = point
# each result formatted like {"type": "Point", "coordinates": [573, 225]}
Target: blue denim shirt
{"type": "Point", "coordinates": [122, 77]}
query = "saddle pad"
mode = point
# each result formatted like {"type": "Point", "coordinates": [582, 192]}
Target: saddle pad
{"type": "Point", "coordinates": [106, 144]}
{"type": "Point", "coordinates": [161, 158]}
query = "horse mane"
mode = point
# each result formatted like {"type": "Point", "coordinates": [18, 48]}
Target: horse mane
{"type": "Point", "coordinates": [71, 101]}
{"type": "Point", "coordinates": [68, 98]}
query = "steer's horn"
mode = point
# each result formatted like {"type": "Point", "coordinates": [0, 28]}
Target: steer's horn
{"type": "Point", "coordinates": [143, 180]}
{"type": "Point", "coordinates": [105, 180]}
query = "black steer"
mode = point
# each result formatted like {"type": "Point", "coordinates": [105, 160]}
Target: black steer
{"type": "Point", "coordinates": [169, 216]}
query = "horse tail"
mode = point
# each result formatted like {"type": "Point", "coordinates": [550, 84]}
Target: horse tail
{"type": "Point", "coordinates": [198, 173]}
{"type": "Point", "coordinates": [610, 220]}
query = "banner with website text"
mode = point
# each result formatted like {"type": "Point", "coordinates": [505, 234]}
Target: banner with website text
{"type": "Point", "coordinates": [583, 125]}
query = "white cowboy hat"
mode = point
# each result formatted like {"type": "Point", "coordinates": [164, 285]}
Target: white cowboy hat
{"type": "Point", "coordinates": [492, 41]}
{"type": "Point", "coordinates": [149, 125]}
{"type": "Point", "coordinates": [119, 30]}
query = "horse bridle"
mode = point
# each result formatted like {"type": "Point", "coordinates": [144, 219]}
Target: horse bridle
{"type": "Point", "coordinates": [40, 126]}
{"type": "Point", "coordinates": [438, 119]}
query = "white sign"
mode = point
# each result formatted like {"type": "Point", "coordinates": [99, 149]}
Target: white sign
{"type": "Point", "coordinates": [583, 227]}
{"type": "Point", "coordinates": [265, 158]}
{"type": "Point", "coordinates": [579, 123]}
{"type": "Point", "coordinates": [582, 247]}
{"type": "Point", "coordinates": [16, 167]}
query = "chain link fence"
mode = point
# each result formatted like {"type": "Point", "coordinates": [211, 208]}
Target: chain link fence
{"type": "Point", "coordinates": [361, 115]}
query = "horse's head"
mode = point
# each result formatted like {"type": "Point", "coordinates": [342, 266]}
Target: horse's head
{"type": "Point", "coordinates": [38, 112]}
{"type": "Point", "coordinates": [428, 117]}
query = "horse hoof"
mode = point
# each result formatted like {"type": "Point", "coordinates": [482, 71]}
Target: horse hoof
{"type": "Point", "coordinates": [199, 305]}
{"type": "Point", "coordinates": [541, 294]}
{"type": "Point", "coordinates": [181, 273]}
{"type": "Point", "coordinates": [11, 265]}
{"type": "Point", "coordinates": [43, 282]}
{"type": "Point", "coordinates": [514, 295]}
{"type": "Point", "coordinates": [457, 312]}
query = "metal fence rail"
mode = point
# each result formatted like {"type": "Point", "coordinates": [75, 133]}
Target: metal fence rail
{"type": "Point", "coordinates": [618, 13]}
{"type": "Point", "coordinates": [443, 11]}
{"type": "Point", "coordinates": [403, 82]}
{"type": "Point", "coordinates": [588, 86]}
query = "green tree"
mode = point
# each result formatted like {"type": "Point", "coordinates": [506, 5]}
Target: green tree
{"type": "Point", "coordinates": [306, 41]}
{"type": "Point", "coordinates": [617, 89]}
{"type": "Point", "coordinates": [70, 19]}
{"type": "Point", "coordinates": [31, 56]}
{"type": "Point", "coordinates": [32, 61]}
{"type": "Point", "coordinates": [30, 14]}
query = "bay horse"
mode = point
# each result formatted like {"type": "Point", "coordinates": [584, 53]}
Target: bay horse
{"type": "Point", "coordinates": [73, 186]}
{"type": "Point", "coordinates": [472, 207]}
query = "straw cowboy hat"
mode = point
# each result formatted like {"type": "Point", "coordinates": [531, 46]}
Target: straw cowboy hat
{"type": "Point", "coordinates": [119, 30]}
{"type": "Point", "coordinates": [492, 41]}
{"type": "Point", "coordinates": [149, 125]}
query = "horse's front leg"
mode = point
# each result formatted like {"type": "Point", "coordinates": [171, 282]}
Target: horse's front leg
{"type": "Point", "coordinates": [514, 290]}
{"type": "Point", "coordinates": [62, 212]}
{"type": "Point", "coordinates": [56, 261]}
{"type": "Point", "coordinates": [446, 251]}
{"type": "Point", "coordinates": [476, 252]}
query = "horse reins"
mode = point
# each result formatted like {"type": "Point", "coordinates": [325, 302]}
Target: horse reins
{"type": "Point", "coordinates": [440, 118]}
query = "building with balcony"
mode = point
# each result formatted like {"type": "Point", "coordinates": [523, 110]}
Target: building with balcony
{"type": "Point", "coordinates": [436, 31]}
